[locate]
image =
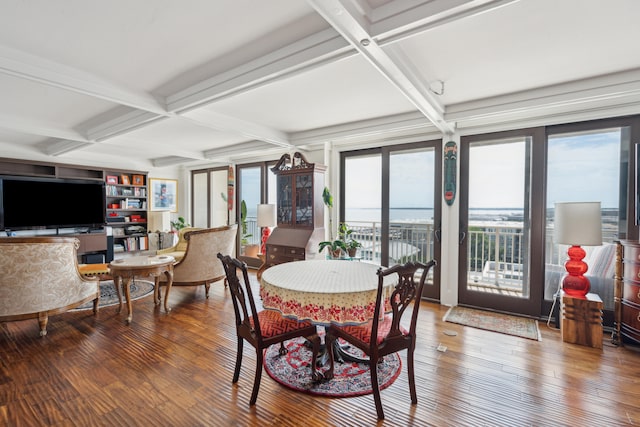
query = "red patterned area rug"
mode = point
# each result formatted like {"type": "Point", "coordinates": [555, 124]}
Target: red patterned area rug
{"type": "Point", "coordinates": [495, 322]}
{"type": "Point", "coordinates": [350, 379]}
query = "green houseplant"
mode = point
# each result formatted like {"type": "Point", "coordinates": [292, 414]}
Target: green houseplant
{"type": "Point", "coordinates": [244, 237]}
{"type": "Point", "coordinates": [179, 224]}
{"type": "Point", "coordinates": [335, 247]}
{"type": "Point", "coordinates": [346, 235]}
{"type": "Point", "coordinates": [248, 249]}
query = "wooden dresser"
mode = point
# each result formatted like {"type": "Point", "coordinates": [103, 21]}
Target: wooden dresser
{"type": "Point", "coordinates": [300, 211]}
{"type": "Point", "coordinates": [627, 292]}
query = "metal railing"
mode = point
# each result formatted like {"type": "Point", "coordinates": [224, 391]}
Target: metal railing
{"type": "Point", "coordinates": [496, 250]}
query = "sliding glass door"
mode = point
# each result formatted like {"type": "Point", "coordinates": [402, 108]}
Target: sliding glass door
{"type": "Point", "coordinates": [496, 224]}
{"type": "Point", "coordinates": [391, 198]}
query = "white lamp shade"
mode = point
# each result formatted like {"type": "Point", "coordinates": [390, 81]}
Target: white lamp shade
{"type": "Point", "coordinates": [578, 223]}
{"type": "Point", "coordinates": [159, 221]}
{"type": "Point", "coordinates": [266, 215]}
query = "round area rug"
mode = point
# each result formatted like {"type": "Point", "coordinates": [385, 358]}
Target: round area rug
{"type": "Point", "coordinates": [108, 296]}
{"type": "Point", "coordinates": [350, 379]}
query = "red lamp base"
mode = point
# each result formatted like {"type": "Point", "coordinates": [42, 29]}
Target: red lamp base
{"type": "Point", "coordinates": [266, 232]}
{"type": "Point", "coordinates": [575, 284]}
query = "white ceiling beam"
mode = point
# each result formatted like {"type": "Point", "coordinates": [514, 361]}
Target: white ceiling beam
{"type": "Point", "coordinates": [125, 123]}
{"type": "Point", "coordinates": [309, 52]}
{"type": "Point", "coordinates": [237, 149]}
{"type": "Point", "coordinates": [374, 128]}
{"type": "Point", "coordinates": [249, 130]}
{"type": "Point", "coordinates": [610, 87]}
{"type": "Point", "coordinates": [32, 127]}
{"type": "Point", "coordinates": [62, 146]}
{"type": "Point", "coordinates": [354, 27]}
{"type": "Point", "coordinates": [23, 65]}
{"type": "Point", "coordinates": [400, 19]}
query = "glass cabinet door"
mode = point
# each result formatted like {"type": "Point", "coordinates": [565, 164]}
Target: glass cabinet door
{"type": "Point", "coordinates": [304, 200]}
{"type": "Point", "coordinates": [285, 200]}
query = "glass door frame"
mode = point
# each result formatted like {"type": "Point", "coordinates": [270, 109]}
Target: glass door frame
{"type": "Point", "coordinates": [431, 292]}
{"type": "Point", "coordinates": [528, 306]}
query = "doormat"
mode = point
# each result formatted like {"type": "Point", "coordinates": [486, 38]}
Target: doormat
{"type": "Point", "coordinates": [108, 296]}
{"type": "Point", "coordinates": [349, 378]}
{"type": "Point", "coordinates": [495, 322]}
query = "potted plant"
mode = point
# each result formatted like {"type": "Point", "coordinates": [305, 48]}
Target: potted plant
{"type": "Point", "coordinates": [346, 235]}
{"type": "Point", "coordinates": [335, 247]}
{"type": "Point", "coordinates": [352, 247]}
{"type": "Point", "coordinates": [250, 250]}
{"type": "Point", "coordinates": [179, 224]}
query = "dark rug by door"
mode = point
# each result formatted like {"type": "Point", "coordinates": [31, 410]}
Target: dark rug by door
{"type": "Point", "coordinates": [495, 322]}
{"type": "Point", "coordinates": [108, 296]}
{"type": "Point", "coordinates": [350, 379]}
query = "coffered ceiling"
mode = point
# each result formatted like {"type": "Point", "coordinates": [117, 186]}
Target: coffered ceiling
{"type": "Point", "coordinates": [153, 83]}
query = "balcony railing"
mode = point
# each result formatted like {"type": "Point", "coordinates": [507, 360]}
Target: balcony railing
{"type": "Point", "coordinates": [496, 250]}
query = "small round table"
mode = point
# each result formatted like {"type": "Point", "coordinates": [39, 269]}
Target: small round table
{"type": "Point", "coordinates": [125, 269]}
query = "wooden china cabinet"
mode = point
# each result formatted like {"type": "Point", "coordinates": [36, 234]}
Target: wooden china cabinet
{"type": "Point", "coordinates": [299, 210]}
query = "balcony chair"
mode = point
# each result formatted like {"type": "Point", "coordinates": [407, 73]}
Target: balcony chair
{"type": "Point", "coordinates": [380, 337]}
{"type": "Point", "coordinates": [198, 266]}
{"type": "Point", "coordinates": [262, 328]}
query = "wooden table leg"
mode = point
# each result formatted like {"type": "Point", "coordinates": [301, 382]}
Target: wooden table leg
{"type": "Point", "coordinates": [169, 274]}
{"type": "Point", "coordinates": [127, 296]}
{"type": "Point", "coordinates": [116, 282]}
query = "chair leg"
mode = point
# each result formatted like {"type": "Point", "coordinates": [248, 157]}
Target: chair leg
{"type": "Point", "coordinates": [207, 285]}
{"type": "Point", "coordinates": [412, 379]}
{"type": "Point", "coordinates": [256, 380]}
{"type": "Point", "coordinates": [236, 372]}
{"type": "Point", "coordinates": [373, 368]}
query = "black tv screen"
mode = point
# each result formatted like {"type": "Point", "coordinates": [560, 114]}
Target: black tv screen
{"type": "Point", "coordinates": [50, 203]}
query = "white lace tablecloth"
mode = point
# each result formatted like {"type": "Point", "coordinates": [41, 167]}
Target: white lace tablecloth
{"type": "Point", "coordinates": [324, 291]}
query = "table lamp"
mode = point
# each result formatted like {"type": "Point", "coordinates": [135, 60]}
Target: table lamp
{"type": "Point", "coordinates": [266, 220]}
{"type": "Point", "coordinates": [577, 224]}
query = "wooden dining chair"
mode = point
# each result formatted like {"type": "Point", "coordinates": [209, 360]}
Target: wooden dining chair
{"type": "Point", "coordinates": [261, 328]}
{"type": "Point", "coordinates": [382, 336]}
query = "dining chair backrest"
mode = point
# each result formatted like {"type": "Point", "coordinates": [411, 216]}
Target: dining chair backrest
{"type": "Point", "coordinates": [404, 302]}
{"type": "Point", "coordinates": [244, 306]}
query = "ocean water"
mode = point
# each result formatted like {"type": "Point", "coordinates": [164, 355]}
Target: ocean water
{"type": "Point", "coordinates": [426, 214]}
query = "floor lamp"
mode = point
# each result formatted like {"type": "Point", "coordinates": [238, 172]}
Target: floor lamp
{"type": "Point", "coordinates": [266, 220]}
{"type": "Point", "coordinates": [577, 224]}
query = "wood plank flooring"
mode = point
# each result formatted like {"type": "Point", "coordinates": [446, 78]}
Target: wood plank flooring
{"type": "Point", "coordinates": [176, 370]}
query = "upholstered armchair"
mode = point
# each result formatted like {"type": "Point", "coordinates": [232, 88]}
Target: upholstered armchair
{"type": "Point", "coordinates": [177, 251]}
{"type": "Point", "coordinates": [39, 277]}
{"type": "Point", "coordinates": [199, 265]}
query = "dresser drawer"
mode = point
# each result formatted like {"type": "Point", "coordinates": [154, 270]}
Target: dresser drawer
{"type": "Point", "coordinates": [278, 254]}
{"type": "Point", "coordinates": [631, 271]}
{"type": "Point", "coordinates": [631, 322]}
{"type": "Point", "coordinates": [631, 292]}
{"type": "Point", "coordinates": [632, 253]}
{"type": "Point", "coordinates": [287, 251]}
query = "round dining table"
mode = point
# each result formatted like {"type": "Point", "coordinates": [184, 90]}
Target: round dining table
{"type": "Point", "coordinates": [324, 292]}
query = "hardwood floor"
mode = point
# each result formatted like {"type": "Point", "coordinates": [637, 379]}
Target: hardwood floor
{"type": "Point", "coordinates": [176, 370]}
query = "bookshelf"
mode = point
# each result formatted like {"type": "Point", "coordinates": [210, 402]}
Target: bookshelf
{"type": "Point", "coordinates": [126, 195]}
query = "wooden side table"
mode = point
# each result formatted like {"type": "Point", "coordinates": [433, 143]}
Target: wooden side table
{"type": "Point", "coordinates": [582, 320]}
{"type": "Point", "coordinates": [123, 270]}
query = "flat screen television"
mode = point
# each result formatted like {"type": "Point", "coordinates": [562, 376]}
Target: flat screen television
{"type": "Point", "coordinates": [36, 203]}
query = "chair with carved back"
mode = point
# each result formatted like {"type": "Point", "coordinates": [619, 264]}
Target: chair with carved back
{"type": "Point", "coordinates": [261, 328]}
{"type": "Point", "coordinates": [384, 335]}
